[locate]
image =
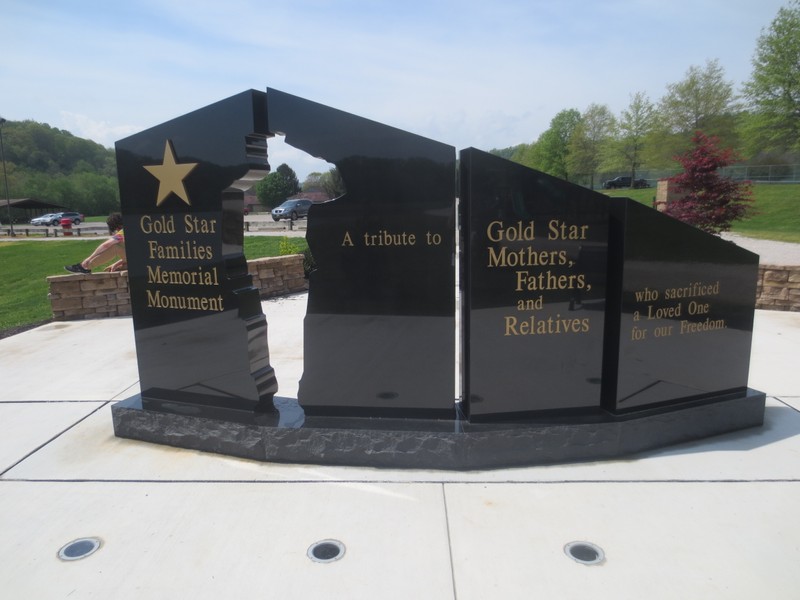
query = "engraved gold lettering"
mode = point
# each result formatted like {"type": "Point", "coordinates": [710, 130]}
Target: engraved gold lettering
{"type": "Point", "coordinates": [558, 230]}
{"type": "Point", "coordinates": [525, 257]}
{"type": "Point", "coordinates": [548, 281]}
{"type": "Point", "coordinates": [699, 308]}
{"type": "Point", "coordinates": [199, 276]}
{"type": "Point", "coordinates": [707, 325]}
{"type": "Point", "coordinates": [666, 312]}
{"type": "Point", "coordinates": [158, 300]}
{"type": "Point", "coordinates": [161, 224]}
{"type": "Point", "coordinates": [548, 326]}
{"type": "Point", "coordinates": [496, 231]}
{"type": "Point", "coordinates": [531, 303]}
{"type": "Point", "coordinates": [183, 250]}
{"type": "Point", "coordinates": [387, 238]}
{"type": "Point", "coordinates": [192, 224]}
{"type": "Point", "coordinates": [693, 290]}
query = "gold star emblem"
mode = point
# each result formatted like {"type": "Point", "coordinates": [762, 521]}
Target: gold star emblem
{"type": "Point", "coordinates": [170, 176]}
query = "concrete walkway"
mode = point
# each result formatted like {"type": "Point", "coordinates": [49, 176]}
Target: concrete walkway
{"type": "Point", "coordinates": [712, 519]}
{"type": "Point", "coordinates": [770, 252]}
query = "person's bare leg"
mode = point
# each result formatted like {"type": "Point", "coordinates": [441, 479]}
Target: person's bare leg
{"type": "Point", "coordinates": [102, 257]}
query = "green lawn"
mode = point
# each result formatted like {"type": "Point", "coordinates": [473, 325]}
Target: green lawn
{"type": "Point", "coordinates": [25, 265]}
{"type": "Point", "coordinates": [775, 215]}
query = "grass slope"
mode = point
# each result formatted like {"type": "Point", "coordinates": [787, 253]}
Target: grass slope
{"type": "Point", "coordinates": [25, 266]}
{"type": "Point", "coordinates": [775, 214]}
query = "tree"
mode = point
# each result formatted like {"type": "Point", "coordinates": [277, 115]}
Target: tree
{"type": "Point", "coordinates": [53, 165]}
{"type": "Point", "coordinates": [552, 147]}
{"type": "Point", "coordinates": [277, 186]}
{"type": "Point", "coordinates": [710, 202]}
{"type": "Point", "coordinates": [525, 154]}
{"type": "Point", "coordinates": [774, 87]}
{"type": "Point", "coordinates": [312, 183]}
{"type": "Point", "coordinates": [636, 124]}
{"type": "Point", "coordinates": [291, 178]}
{"type": "Point", "coordinates": [332, 183]}
{"type": "Point", "coordinates": [96, 194]}
{"type": "Point", "coordinates": [590, 137]}
{"type": "Point", "coordinates": [702, 100]}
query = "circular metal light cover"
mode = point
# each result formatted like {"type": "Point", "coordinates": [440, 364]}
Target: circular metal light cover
{"type": "Point", "coordinates": [326, 551]}
{"type": "Point", "coordinates": [80, 548]}
{"type": "Point", "coordinates": [585, 553]}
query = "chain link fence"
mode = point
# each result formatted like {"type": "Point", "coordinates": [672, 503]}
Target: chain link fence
{"type": "Point", "coordinates": [754, 173]}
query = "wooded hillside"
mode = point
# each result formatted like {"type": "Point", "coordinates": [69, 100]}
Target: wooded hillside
{"type": "Point", "coordinates": [55, 166]}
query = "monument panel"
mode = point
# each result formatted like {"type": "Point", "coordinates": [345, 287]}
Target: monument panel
{"type": "Point", "coordinates": [201, 337]}
{"type": "Point", "coordinates": [534, 257]}
{"type": "Point", "coordinates": [380, 324]}
{"type": "Point", "coordinates": [680, 317]}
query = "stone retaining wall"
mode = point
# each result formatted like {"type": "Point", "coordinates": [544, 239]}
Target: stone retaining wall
{"type": "Point", "coordinates": [778, 288]}
{"type": "Point", "coordinates": [101, 295]}
{"type": "Point", "coordinates": [106, 294]}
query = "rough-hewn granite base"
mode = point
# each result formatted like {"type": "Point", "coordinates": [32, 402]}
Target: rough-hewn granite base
{"type": "Point", "coordinates": [290, 437]}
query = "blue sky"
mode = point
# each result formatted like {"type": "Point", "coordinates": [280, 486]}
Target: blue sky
{"type": "Point", "coordinates": [486, 74]}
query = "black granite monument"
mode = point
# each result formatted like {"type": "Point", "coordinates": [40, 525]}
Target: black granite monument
{"type": "Point", "coordinates": [380, 325]}
{"type": "Point", "coordinates": [590, 327]}
{"type": "Point", "coordinates": [534, 285]}
{"type": "Point", "coordinates": [680, 322]}
{"type": "Point", "coordinates": [201, 337]}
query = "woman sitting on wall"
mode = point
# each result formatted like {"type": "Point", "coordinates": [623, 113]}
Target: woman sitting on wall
{"type": "Point", "coordinates": [113, 247]}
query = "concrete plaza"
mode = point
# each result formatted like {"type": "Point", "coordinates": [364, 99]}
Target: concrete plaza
{"type": "Point", "coordinates": [710, 519]}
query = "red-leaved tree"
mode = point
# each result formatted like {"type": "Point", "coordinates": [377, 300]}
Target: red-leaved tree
{"type": "Point", "coordinates": [707, 200]}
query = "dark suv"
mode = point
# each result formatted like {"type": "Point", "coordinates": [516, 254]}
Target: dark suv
{"type": "Point", "coordinates": [624, 182]}
{"type": "Point", "coordinates": [292, 209]}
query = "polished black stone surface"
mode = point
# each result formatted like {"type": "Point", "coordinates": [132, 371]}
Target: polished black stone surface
{"type": "Point", "coordinates": [590, 328]}
{"type": "Point", "coordinates": [680, 315]}
{"type": "Point", "coordinates": [201, 337]}
{"type": "Point", "coordinates": [454, 444]}
{"type": "Point", "coordinates": [533, 289]}
{"type": "Point", "coordinates": [380, 325]}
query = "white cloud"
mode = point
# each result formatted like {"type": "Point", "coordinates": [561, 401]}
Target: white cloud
{"type": "Point", "coordinates": [101, 132]}
{"type": "Point", "coordinates": [465, 73]}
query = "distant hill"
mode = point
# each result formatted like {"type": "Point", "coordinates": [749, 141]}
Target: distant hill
{"type": "Point", "coordinates": [55, 166]}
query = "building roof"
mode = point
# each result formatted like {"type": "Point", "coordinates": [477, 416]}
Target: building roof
{"type": "Point", "coordinates": [33, 203]}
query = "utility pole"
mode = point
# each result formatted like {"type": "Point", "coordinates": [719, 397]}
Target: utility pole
{"type": "Point", "coordinates": [5, 177]}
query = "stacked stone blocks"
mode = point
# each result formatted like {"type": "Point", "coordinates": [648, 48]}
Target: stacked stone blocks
{"type": "Point", "coordinates": [778, 288]}
{"type": "Point", "coordinates": [101, 295]}
{"type": "Point", "coordinates": [106, 294]}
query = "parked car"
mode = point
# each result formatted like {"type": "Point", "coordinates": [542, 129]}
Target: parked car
{"type": "Point", "coordinates": [624, 182]}
{"type": "Point", "coordinates": [292, 209]}
{"type": "Point", "coordinates": [54, 219]}
{"type": "Point", "coordinates": [43, 219]}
